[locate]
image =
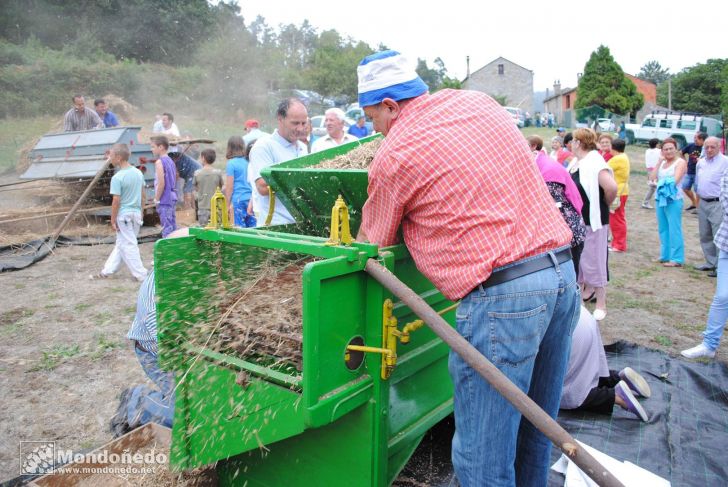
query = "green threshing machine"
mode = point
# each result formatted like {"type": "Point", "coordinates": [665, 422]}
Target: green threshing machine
{"type": "Point", "coordinates": [372, 379]}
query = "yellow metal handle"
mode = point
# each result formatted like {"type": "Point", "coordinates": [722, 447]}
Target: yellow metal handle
{"type": "Point", "coordinates": [340, 233]}
{"type": "Point", "coordinates": [415, 325]}
{"type": "Point", "coordinates": [218, 203]}
{"type": "Point", "coordinates": [271, 206]}
{"type": "Point", "coordinates": [389, 339]}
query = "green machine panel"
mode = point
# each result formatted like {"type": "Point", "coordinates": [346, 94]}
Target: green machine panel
{"type": "Point", "coordinates": [333, 419]}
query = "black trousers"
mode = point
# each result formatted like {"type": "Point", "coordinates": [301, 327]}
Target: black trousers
{"type": "Point", "coordinates": [601, 398]}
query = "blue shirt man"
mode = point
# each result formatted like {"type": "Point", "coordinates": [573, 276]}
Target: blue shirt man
{"type": "Point", "coordinates": [359, 129]}
{"type": "Point", "coordinates": [106, 115]}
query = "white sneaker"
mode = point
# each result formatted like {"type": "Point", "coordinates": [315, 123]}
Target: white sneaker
{"type": "Point", "coordinates": [698, 351]}
{"type": "Point", "coordinates": [637, 384]}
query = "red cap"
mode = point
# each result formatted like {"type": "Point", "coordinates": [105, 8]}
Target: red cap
{"type": "Point", "coordinates": [251, 123]}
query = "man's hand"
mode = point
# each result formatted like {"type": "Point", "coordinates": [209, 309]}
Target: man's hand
{"type": "Point", "coordinates": [262, 187]}
{"type": "Point", "coordinates": [361, 236]}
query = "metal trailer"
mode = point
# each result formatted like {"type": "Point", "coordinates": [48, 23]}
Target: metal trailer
{"type": "Point", "coordinates": [373, 380]}
{"type": "Point", "coordinates": [80, 155]}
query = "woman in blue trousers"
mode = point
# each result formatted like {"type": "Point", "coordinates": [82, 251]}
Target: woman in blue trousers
{"type": "Point", "coordinates": [669, 204]}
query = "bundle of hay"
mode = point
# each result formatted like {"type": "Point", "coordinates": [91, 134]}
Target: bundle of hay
{"type": "Point", "coordinates": [266, 318]}
{"type": "Point", "coordinates": [358, 158]}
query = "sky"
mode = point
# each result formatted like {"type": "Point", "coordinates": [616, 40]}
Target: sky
{"type": "Point", "coordinates": [551, 38]}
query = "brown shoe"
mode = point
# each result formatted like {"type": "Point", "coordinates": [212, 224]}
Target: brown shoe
{"type": "Point", "coordinates": [672, 264]}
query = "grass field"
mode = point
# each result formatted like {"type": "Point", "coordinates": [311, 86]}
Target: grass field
{"type": "Point", "coordinates": [16, 134]}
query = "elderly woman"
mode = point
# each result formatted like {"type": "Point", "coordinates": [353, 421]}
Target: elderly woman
{"type": "Point", "coordinates": [605, 146]}
{"type": "Point", "coordinates": [669, 202]}
{"type": "Point", "coordinates": [597, 186]}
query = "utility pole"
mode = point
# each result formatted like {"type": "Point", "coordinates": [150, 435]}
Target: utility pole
{"type": "Point", "coordinates": [669, 94]}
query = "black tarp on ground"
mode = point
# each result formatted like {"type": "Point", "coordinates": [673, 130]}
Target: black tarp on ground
{"type": "Point", "coordinates": [685, 440]}
{"type": "Point", "coordinates": [16, 257]}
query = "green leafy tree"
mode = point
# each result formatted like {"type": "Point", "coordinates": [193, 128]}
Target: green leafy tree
{"type": "Point", "coordinates": [604, 83]}
{"type": "Point", "coordinates": [700, 88]}
{"type": "Point", "coordinates": [228, 60]}
{"type": "Point", "coordinates": [652, 71]}
{"type": "Point", "coordinates": [333, 70]}
{"type": "Point", "coordinates": [436, 78]}
{"type": "Point", "coordinates": [145, 30]}
{"type": "Point", "coordinates": [501, 99]}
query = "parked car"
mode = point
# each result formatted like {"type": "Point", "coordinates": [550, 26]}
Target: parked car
{"type": "Point", "coordinates": [318, 128]}
{"type": "Point", "coordinates": [606, 124]}
{"type": "Point", "coordinates": [518, 117]}
{"type": "Point", "coordinates": [680, 126]}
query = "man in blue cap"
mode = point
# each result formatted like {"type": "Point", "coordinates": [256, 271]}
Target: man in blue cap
{"type": "Point", "coordinates": [459, 178]}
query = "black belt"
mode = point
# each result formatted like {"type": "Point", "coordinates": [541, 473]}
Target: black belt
{"type": "Point", "coordinates": [710, 200]}
{"type": "Point", "coordinates": [526, 267]}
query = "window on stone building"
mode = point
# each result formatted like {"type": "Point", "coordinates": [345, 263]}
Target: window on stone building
{"type": "Point", "coordinates": [501, 69]}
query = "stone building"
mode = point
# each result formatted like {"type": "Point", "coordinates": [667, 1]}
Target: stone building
{"type": "Point", "coordinates": [504, 78]}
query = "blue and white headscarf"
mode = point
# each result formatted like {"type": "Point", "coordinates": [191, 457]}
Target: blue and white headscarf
{"type": "Point", "coordinates": [387, 74]}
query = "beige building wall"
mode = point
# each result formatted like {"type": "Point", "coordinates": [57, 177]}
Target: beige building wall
{"type": "Point", "coordinates": [502, 77]}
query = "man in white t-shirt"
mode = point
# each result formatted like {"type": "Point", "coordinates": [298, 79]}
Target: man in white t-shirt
{"type": "Point", "coordinates": [334, 123]}
{"type": "Point", "coordinates": [652, 157]}
{"type": "Point", "coordinates": [167, 125]}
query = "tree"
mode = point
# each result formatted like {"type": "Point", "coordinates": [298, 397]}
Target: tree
{"type": "Point", "coordinates": [652, 71]}
{"type": "Point", "coordinates": [145, 30]}
{"type": "Point", "coordinates": [698, 88]}
{"type": "Point", "coordinates": [604, 83]}
{"type": "Point", "coordinates": [430, 76]}
{"type": "Point", "coordinates": [435, 78]}
{"type": "Point", "coordinates": [333, 70]}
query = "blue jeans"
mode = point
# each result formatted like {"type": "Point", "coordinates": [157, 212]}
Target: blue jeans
{"type": "Point", "coordinates": [147, 405]}
{"type": "Point", "coordinates": [669, 226]}
{"type": "Point", "coordinates": [718, 313]}
{"type": "Point", "coordinates": [240, 212]}
{"type": "Point", "coordinates": [524, 328]}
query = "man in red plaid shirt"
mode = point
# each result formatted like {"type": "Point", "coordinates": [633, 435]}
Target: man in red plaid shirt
{"type": "Point", "coordinates": [458, 177]}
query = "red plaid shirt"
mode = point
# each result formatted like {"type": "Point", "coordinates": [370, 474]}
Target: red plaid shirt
{"type": "Point", "coordinates": [458, 175]}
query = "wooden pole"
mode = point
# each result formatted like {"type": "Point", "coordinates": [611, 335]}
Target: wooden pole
{"type": "Point", "coordinates": [530, 410]}
{"type": "Point", "coordinates": [81, 199]}
{"type": "Point", "coordinates": [50, 215]}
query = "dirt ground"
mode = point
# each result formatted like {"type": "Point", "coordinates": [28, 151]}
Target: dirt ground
{"type": "Point", "coordinates": [64, 358]}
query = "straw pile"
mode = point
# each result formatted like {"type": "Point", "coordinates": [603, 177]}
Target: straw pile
{"type": "Point", "coordinates": [358, 158]}
{"type": "Point", "coordinates": [265, 319]}
{"type": "Point", "coordinates": [160, 477]}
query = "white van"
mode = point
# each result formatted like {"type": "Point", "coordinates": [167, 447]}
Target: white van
{"type": "Point", "coordinates": [680, 126]}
